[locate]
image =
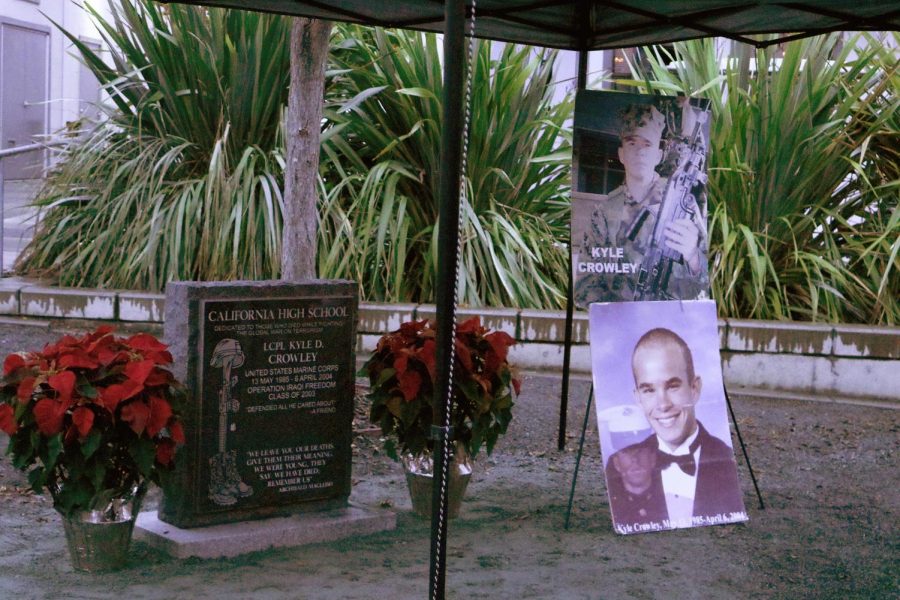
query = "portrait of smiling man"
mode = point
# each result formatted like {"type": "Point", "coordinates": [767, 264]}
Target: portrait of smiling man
{"type": "Point", "coordinates": [680, 475]}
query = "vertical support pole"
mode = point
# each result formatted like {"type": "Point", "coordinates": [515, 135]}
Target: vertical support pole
{"type": "Point", "coordinates": [448, 249]}
{"type": "Point", "coordinates": [570, 297]}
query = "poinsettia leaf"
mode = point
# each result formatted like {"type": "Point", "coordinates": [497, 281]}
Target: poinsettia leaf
{"type": "Point", "coordinates": [90, 444]}
{"type": "Point", "coordinates": [145, 341]}
{"type": "Point", "coordinates": [390, 448]}
{"type": "Point", "coordinates": [176, 432]}
{"type": "Point", "coordinates": [427, 355]}
{"type": "Point", "coordinates": [388, 423]}
{"type": "Point", "coordinates": [159, 376]}
{"type": "Point", "coordinates": [36, 479]}
{"type": "Point", "coordinates": [503, 402]}
{"type": "Point", "coordinates": [472, 324]}
{"type": "Point", "coordinates": [409, 383]}
{"type": "Point", "coordinates": [160, 412]}
{"type": "Point", "coordinates": [416, 441]}
{"type": "Point", "coordinates": [96, 473]}
{"type": "Point", "coordinates": [108, 356]}
{"type": "Point", "coordinates": [491, 441]}
{"type": "Point", "coordinates": [83, 420]}
{"type": "Point", "coordinates": [384, 377]}
{"type": "Point", "coordinates": [136, 413]}
{"type": "Point", "coordinates": [75, 495]}
{"type": "Point", "coordinates": [22, 451]}
{"type": "Point", "coordinates": [409, 414]}
{"type": "Point", "coordinates": [95, 336]}
{"type": "Point", "coordinates": [25, 389]}
{"type": "Point", "coordinates": [54, 449]}
{"type": "Point", "coordinates": [165, 452]}
{"type": "Point", "coordinates": [411, 328]}
{"type": "Point", "coordinates": [464, 355]}
{"type": "Point", "coordinates": [36, 439]}
{"type": "Point", "coordinates": [143, 452]}
{"type": "Point", "coordinates": [138, 370]}
{"type": "Point", "coordinates": [504, 418]}
{"type": "Point", "coordinates": [77, 358]}
{"type": "Point", "coordinates": [394, 405]}
{"type": "Point", "coordinates": [470, 389]}
{"type": "Point", "coordinates": [111, 396]}
{"type": "Point", "coordinates": [48, 414]}
{"type": "Point", "coordinates": [85, 389]}
{"type": "Point", "coordinates": [475, 443]}
{"type": "Point", "coordinates": [500, 342]}
{"type": "Point", "coordinates": [159, 357]}
{"type": "Point", "coordinates": [400, 363]}
{"type": "Point", "coordinates": [63, 383]}
{"type": "Point", "coordinates": [8, 422]}
{"type": "Point", "coordinates": [12, 362]}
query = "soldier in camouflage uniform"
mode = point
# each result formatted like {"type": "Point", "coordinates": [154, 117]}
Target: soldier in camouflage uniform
{"type": "Point", "coordinates": [603, 222]}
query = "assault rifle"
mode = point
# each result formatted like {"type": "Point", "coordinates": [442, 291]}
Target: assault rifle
{"type": "Point", "coordinates": [677, 202]}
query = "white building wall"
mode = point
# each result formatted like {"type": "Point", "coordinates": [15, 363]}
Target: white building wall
{"type": "Point", "coordinates": [64, 68]}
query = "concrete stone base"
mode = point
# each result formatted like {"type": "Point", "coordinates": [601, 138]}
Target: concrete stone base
{"type": "Point", "coordinates": [234, 539]}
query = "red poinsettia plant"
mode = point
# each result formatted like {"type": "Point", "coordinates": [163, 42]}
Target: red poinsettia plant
{"type": "Point", "coordinates": [91, 418]}
{"type": "Point", "coordinates": [401, 373]}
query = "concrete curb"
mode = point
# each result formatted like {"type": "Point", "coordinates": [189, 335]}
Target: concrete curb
{"type": "Point", "coordinates": [808, 359]}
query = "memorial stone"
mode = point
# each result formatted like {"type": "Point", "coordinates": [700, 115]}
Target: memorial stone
{"type": "Point", "coordinates": [269, 366]}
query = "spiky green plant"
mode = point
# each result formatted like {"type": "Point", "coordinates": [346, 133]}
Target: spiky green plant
{"type": "Point", "coordinates": [181, 178]}
{"type": "Point", "coordinates": [381, 159]}
{"type": "Point", "coordinates": [804, 176]}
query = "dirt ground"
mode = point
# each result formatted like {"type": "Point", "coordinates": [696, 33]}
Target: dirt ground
{"type": "Point", "coordinates": [828, 475]}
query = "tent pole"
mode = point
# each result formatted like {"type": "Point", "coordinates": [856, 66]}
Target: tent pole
{"type": "Point", "coordinates": [448, 250]}
{"type": "Point", "coordinates": [570, 297]}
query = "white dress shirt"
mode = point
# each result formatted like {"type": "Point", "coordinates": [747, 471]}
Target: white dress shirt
{"type": "Point", "coordinates": [678, 486]}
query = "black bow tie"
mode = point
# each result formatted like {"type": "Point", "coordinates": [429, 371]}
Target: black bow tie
{"type": "Point", "coordinates": [685, 462]}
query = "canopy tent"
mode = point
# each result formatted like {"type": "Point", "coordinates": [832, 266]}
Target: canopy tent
{"type": "Point", "coordinates": [602, 24]}
{"type": "Point", "coordinates": [581, 25]}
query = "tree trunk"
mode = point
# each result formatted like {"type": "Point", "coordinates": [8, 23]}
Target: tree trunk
{"type": "Point", "coordinates": [309, 53]}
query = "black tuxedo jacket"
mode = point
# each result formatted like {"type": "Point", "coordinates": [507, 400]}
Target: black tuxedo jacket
{"type": "Point", "coordinates": [718, 490]}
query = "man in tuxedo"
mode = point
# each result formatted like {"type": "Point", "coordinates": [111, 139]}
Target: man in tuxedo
{"type": "Point", "coordinates": [681, 475]}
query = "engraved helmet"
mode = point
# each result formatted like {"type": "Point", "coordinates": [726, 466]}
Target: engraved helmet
{"type": "Point", "coordinates": [227, 349]}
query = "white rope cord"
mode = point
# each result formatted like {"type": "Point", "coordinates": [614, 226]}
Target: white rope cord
{"type": "Point", "coordinates": [463, 195]}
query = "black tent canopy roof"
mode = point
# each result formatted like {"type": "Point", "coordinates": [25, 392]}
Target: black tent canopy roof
{"type": "Point", "coordinates": [601, 24]}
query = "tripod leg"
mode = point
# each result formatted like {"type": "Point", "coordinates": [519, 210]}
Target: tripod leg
{"type": "Point", "coordinates": [587, 412]}
{"type": "Point", "coordinates": [737, 430]}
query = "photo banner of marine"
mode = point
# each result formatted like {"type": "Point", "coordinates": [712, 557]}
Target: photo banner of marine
{"type": "Point", "coordinates": [637, 157]}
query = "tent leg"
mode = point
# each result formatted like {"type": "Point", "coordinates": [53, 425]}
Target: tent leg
{"type": "Point", "coordinates": [570, 300]}
{"type": "Point", "coordinates": [567, 354]}
{"type": "Point", "coordinates": [448, 244]}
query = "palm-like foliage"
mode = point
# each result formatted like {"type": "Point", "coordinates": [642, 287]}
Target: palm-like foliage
{"type": "Point", "coordinates": [381, 159]}
{"type": "Point", "coordinates": [804, 176]}
{"type": "Point", "coordinates": [182, 178]}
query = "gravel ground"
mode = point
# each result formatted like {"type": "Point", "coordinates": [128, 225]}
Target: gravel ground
{"type": "Point", "coordinates": [828, 475]}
